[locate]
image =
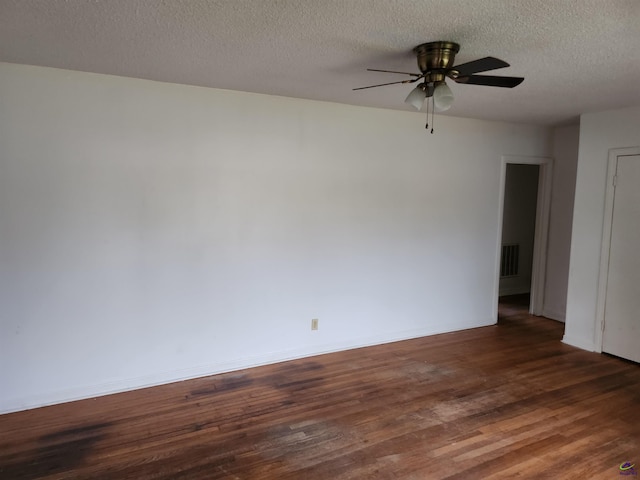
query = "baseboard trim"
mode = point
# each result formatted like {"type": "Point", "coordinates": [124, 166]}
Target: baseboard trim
{"type": "Point", "coordinates": [161, 378]}
{"type": "Point", "coordinates": [554, 314]}
{"type": "Point", "coordinates": [506, 291]}
{"type": "Point", "coordinates": [579, 343]}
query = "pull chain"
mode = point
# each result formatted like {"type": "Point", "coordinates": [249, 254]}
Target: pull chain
{"type": "Point", "coordinates": [427, 104]}
{"type": "Point", "coordinates": [430, 102]}
{"type": "Point", "coordinates": [433, 116]}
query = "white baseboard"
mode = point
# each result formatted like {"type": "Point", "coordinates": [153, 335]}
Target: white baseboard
{"type": "Point", "coordinates": [558, 315]}
{"type": "Point", "coordinates": [100, 389]}
{"type": "Point", "coordinates": [516, 290]}
{"type": "Point", "coordinates": [579, 343]}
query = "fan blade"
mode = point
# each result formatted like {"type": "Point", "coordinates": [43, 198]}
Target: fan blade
{"type": "Point", "coordinates": [390, 83]}
{"type": "Point", "coordinates": [481, 65]}
{"type": "Point", "coordinates": [393, 71]}
{"type": "Point", "coordinates": [490, 81]}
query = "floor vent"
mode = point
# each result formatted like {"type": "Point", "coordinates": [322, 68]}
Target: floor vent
{"type": "Point", "coordinates": [509, 260]}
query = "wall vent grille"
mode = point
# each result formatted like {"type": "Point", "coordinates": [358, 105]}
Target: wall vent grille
{"type": "Point", "coordinates": [509, 260]}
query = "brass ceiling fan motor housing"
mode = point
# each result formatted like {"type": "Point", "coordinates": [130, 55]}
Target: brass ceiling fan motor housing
{"type": "Point", "coordinates": [435, 59]}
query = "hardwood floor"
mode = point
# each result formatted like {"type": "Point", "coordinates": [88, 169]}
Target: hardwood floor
{"type": "Point", "coordinates": [508, 401]}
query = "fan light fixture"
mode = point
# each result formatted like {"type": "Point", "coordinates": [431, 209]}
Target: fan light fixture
{"type": "Point", "coordinates": [442, 97]}
{"type": "Point", "coordinates": [436, 97]}
{"type": "Point", "coordinates": [416, 97]}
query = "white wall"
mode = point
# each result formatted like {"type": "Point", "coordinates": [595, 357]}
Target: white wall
{"type": "Point", "coordinates": [565, 154]}
{"type": "Point", "coordinates": [519, 223]}
{"type": "Point", "coordinates": [599, 132]}
{"type": "Point", "coordinates": [152, 232]}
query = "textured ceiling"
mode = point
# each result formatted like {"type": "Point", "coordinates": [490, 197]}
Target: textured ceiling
{"type": "Point", "coordinates": [577, 56]}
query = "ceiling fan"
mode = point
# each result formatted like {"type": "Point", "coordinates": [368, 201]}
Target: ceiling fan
{"type": "Point", "coordinates": [436, 62]}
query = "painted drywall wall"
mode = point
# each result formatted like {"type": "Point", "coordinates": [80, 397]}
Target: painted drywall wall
{"type": "Point", "coordinates": [519, 223]}
{"type": "Point", "coordinates": [565, 154]}
{"type": "Point", "coordinates": [152, 232]}
{"type": "Point", "coordinates": [599, 132]}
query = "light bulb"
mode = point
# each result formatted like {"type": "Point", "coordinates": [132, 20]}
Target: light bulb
{"type": "Point", "coordinates": [442, 97]}
{"type": "Point", "coordinates": [416, 97]}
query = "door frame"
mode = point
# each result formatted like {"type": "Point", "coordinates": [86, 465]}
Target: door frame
{"type": "Point", "coordinates": [543, 207]}
{"type": "Point", "coordinates": [603, 276]}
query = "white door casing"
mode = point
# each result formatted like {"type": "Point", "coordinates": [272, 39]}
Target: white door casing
{"type": "Point", "coordinates": [541, 231]}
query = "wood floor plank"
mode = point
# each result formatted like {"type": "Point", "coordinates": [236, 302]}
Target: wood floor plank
{"type": "Point", "coordinates": [496, 402]}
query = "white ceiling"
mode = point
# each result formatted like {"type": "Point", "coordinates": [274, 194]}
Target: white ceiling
{"type": "Point", "coordinates": [577, 56]}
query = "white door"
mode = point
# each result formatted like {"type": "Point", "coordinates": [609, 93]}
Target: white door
{"type": "Point", "coordinates": [621, 334]}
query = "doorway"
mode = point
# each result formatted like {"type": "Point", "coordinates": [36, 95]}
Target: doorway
{"type": "Point", "coordinates": [520, 261]}
{"type": "Point", "coordinates": [518, 229]}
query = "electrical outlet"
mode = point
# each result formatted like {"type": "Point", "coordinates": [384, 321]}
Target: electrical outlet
{"type": "Point", "coordinates": [314, 324]}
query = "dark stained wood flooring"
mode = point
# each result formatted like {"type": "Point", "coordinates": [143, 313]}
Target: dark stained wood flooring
{"type": "Point", "coordinates": [507, 401]}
